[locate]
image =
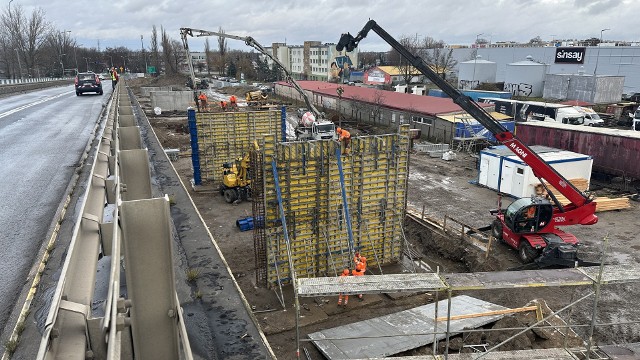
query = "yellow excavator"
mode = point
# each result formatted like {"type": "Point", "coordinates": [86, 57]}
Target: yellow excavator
{"type": "Point", "coordinates": [236, 184]}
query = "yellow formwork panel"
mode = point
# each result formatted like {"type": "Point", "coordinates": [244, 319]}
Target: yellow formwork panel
{"type": "Point", "coordinates": [224, 137]}
{"type": "Point", "coordinates": [375, 180]}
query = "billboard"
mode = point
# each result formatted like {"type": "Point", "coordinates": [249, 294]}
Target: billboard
{"type": "Point", "coordinates": [570, 55]}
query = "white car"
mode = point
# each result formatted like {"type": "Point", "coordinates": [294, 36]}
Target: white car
{"type": "Point", "coordinates": [101, 77]}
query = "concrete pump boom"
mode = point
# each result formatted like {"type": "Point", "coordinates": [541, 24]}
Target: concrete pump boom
{"type": "Point", "coordinates": [249, 41]}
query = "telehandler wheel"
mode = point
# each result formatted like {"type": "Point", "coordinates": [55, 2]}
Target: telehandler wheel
{"type": "Point", "coordinates": [526, 252]}
{"type": "Point", "coordinates": [496, 229]}
{"type": "Point", "coordinates": [230, 196]}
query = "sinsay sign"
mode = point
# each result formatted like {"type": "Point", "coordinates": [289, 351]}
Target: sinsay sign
{"type": "Point", "coordinates": [570, 55]}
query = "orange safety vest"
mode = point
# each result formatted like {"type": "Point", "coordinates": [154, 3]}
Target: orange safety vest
{"type": "Point", "coordinates": [202, 97]}
{"type": "Point", "coordinates": [344, 134]}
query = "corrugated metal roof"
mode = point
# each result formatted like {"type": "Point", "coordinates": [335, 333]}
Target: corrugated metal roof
{"type": "Point", "coordinates": [419, 104]}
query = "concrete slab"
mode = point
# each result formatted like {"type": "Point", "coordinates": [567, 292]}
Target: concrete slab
{"type": "Point", "coordinates": [622, 351]}
{"type": "Point", "coordinates": [537, 354]}
{"type": "Point", "coordinates": [402, 331]}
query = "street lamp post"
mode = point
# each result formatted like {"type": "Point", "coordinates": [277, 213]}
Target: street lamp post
{"type": "Point", "coordinates": [475, 60]}
{"type": "Point", "coordinates": [19, 64]}
{"type": "Point", "coordinates": [86, 59]}
{"type": "Point", "coordinates": [595, 70]}
{"type": "Point", "coordinates": [62, 64]}
{"type": "Point", "coordinates": [111, 60]}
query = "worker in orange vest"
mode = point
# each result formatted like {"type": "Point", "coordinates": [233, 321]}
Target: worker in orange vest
{"type": "Point", "coordinates": [223, 105]}
{"type": "Point", "coordinates": [360, 268]}
{"type": "Point", "coordinates": [345, 138]}
{"type": "Point", "coordinates": [234, 102]}
{"type": "Point", "coordinates": [202, 99]}
{"type": "Point", "coordinates": [345, 272]}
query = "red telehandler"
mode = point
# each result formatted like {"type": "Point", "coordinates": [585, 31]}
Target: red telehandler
{"type": "Point", "coordinates": [529, 225]}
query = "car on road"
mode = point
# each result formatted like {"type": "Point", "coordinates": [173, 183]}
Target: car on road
{"type": "Point", "coordinates": [88, 82]}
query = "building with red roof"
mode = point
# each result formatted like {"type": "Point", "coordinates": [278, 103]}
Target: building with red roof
{"type": "Point", "coordinates": [380, 107]}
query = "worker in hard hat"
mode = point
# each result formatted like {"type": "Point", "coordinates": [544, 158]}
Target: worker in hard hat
{"type": "Point", "coordinates": [345, 138]}
{"type": "Point", "coordinates": [360, 268]}
{"type": "Point", "coordinates": [202, 99]}
{"type": "Point", "coordinates": [345, 273]}
{"type": "Point", "coordinates": [233, 100]}
{"type": "Point", "coordinates": [223, 105]}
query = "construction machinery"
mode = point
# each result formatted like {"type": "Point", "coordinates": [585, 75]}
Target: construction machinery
{"type": "Point", "coordinates": [236, 184]}
{"type": "Point", "coordinates": [319, 129]}
{"type": "Point", "coordinates": [529, 225]}
{"type": "Point", "coordinates": [256, 97]}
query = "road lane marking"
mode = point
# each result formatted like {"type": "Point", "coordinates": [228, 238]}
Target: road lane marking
{"type": "Point", "coordinates": [20, 108]}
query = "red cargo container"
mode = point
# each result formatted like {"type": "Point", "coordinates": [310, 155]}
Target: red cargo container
{"type": "Point", "coordinates": [614, 151]}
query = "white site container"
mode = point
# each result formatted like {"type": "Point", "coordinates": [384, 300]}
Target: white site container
{"type": "Point", "coordinates": [500, 169]}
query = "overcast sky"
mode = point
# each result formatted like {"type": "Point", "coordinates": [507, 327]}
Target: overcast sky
{"type": "Point", "coordinates": [121, 22]}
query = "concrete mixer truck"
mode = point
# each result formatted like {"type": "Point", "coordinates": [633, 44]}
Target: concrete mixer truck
{"type": "Point", "coordinates": [310, 128]}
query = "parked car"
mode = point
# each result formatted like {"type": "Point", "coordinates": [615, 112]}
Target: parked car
{"type": "Point", "coordinates": [88, 82]}
{"type": "Point", "coordinates": [635, 97]}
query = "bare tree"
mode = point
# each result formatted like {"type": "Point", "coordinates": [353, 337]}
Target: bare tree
{"type": "Point", "coordinates": [178, 54]}
{"type": "Point", "coordinates": [155, 50]}
{"type": "Point", "coordinates": [23, 37]}
{"type": "Point", "coordinates": [35, 37]}
{"type": "Point", "coordinates": [437, 56]}
{"type": "Point", "coordinates": [358, 105]}
{"type": "Point", "coordinates": [167, 52]}
{"type": "Point", "coordinates": [222, 52]}
{"type": "Point", "coordinates": [378, 105]}
{"type": "Point", "coordinates": [406, 70]}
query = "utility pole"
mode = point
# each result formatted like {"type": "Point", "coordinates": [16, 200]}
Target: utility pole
{"type": "Point", "coordinates": [475, 61]}
{"type": "Point", "coordinates": [598, 56]}
{"type": "Point", "coordinates": [143, 54]}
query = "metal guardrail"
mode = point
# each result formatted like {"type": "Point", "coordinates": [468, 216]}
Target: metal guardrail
{"type": "Point", "coordinates": [118, 218]}
{"type": "Point", "coordinates": [29, 80]}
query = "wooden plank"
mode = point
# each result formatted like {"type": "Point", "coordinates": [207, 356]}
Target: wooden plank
{"type": "Point", "coordinates": [489, 313]}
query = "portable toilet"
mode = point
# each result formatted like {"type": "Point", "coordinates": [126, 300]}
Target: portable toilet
{"type": "Point", "coordinates": [474, 72]}
{"type": "Point", "coordinates": [525, 78]}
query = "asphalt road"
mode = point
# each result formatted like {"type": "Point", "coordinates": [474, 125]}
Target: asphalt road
{"type": "Point", "coordinates": [42, 137]}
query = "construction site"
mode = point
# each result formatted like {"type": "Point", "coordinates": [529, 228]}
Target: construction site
{"type": "Point", "coordinates": [434, 284]}
{"type": "Point", "coordinates": [292, 230]}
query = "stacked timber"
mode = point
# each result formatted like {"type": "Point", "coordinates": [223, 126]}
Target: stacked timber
{"type": "Point", "coordinates": [603, 203]}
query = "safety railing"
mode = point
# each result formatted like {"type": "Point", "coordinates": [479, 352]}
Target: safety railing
{"type": "Point", "coordinates": [122, 225]}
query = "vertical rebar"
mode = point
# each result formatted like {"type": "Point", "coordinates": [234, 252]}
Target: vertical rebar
{"type": "Point", "coordinates": [597, 297]}
{"type": "Point", "coordinates": [435, 319]}
{"type": "Point", "coordinates": [446, 348]}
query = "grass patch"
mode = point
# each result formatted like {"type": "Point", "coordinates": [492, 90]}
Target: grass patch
{"type": "Point", "coordinates": [11, 346]}
{"type": "Point", "coordinates": [192, 275]}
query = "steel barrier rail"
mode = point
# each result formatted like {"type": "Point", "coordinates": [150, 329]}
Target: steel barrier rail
{"type": "Point", "coordinates": [117, 213]}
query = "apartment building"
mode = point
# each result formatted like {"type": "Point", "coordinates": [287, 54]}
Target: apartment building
{"type": "Point", "coordinates": [315, 61]}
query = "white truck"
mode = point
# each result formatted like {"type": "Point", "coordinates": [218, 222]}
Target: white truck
{"type": "Point", "coordinates": [591, 118]}
{"type": "Point", "coordinates": [309, 128]}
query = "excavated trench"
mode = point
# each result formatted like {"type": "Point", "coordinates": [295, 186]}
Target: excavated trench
{"type": "Point", "coordinates": [452, 254]}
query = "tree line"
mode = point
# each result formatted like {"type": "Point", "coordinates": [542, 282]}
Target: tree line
{"type": "Point", "coordinates": [31, 46]}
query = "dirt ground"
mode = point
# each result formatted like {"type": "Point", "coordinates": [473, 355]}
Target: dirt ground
{"type": "Point", "coordinates": [440, 187]}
